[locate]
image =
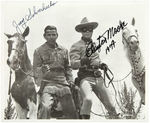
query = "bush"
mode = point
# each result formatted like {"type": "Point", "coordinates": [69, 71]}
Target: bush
{"type": "Point", "coordinates": [126, 98]}
{"type": "Point", "coordinates": [9, 112]}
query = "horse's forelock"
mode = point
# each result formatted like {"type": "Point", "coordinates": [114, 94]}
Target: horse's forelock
{"type": "Point", "coordinates": [129, 30]}
{"type": "Point", "coordinates": [19, 36]}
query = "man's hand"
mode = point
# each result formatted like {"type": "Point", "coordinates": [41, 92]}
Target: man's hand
{"type": "Point", "coordinates": [72, 85]}
{"type": "Point", "coordinates": [103, 66]}
{"type": "Point", "coordinates": [45, 68]}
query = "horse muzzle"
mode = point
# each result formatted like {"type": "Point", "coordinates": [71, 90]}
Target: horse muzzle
{"type": "Point", "coordinates": [13, 64]}
{"type": "Point", "coordinates": [134, 46]}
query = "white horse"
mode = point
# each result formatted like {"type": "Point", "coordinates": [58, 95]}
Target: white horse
{"type": "Point", "coordinates": [23, 89]}
{"type": "Point", "coordinates": [134, 55]}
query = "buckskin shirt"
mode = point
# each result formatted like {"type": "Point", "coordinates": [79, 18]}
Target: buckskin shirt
{"type": "Point", "coordinates": [57, 59]}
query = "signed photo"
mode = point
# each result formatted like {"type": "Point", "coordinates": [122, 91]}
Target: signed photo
{"type": "Point", "coordinates": [74, 60]}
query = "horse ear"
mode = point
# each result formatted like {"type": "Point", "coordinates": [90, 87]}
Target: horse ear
{"type": "Point", "coordinates": [120, 22]}
{"type": "Point", "coordinates": [133, 21]}
{"type": "Point", "coordinates": [8, 35]}
{"type": "Point", "coordinates": [26, 32]}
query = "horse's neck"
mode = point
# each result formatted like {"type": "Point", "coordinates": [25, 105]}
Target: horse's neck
{"type": "Point", "coordinates": [136, 60]}
{"type": "Point", "coordinates": [19, 76]}
{"type": "Point", "coordinates": [25, 66]}
{"type": "Point", "coordinates": [134, 55]}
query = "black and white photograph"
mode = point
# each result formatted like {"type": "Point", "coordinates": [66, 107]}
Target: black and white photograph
{"type": "Point", "coordinates": [78, 60]}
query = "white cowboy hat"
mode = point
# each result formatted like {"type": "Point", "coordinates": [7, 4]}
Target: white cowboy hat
{"type": "Point", "coordinates": [85, 23]}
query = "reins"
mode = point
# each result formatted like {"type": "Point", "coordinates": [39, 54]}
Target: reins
{"type": "Point", "coordinates": [110, 82]}
{"type": "Point", "coordinates": [107, 75]}
{"type": "Point", "coordinates": [28, 74]}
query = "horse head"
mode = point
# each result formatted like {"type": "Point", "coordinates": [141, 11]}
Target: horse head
{"type": "Point", "coordinates": [130, 37]}
{"type": "Point", "coordinates": [16, 48]}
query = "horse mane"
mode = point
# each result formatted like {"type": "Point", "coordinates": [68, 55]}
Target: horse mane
{"type": "Point", "coordinates": [27, 62]}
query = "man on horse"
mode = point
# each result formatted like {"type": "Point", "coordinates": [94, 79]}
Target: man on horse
{"type": "Point", "coordinates": [89, 76]}
{"type": "Point", "coordinates": [54, 76]}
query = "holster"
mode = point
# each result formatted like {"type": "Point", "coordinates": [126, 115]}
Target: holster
{"type": "Point", "coordinates": [83, 73]}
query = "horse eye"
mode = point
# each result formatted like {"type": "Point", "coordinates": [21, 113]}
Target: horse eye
{"type": "Point", "coordinates": [131, 42]}
{"type": "Point", "coordinates": [136, 30]}
{"type": "Point", "coordinates": [23, 42]}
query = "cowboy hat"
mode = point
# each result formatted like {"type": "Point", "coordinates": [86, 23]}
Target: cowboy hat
{"type": "Point", "coordinates": [85, 23]}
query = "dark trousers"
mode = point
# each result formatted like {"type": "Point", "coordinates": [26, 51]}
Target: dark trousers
{"type": "Point", "coordinates": [67, 104]}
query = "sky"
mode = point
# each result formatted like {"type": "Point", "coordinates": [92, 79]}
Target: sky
{"type": "Point", "coordinates": [65, 15]}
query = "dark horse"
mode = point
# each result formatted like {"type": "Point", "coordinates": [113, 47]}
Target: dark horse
{"type": "Point", "coordinates": [23, 89]}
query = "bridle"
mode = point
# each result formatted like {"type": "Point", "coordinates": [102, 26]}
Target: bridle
{"type": "Point", "coordinates": [20, 54]}
{"type": "Point", "coordinates": [129, 38]}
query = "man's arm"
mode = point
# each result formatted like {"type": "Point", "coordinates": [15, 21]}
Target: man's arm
{"type": "Point", "coordinates": [37, 68]}
{"type": "Point", "coordinates": [75, 57]}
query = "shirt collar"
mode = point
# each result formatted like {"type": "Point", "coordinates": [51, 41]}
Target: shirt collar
{"type": "Point", "coordinates": [86, 40]}
{"type": "Point", "coordinates": [53, 47]}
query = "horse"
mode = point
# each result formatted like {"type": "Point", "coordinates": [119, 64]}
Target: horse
{"type": "Point", "coordinates": [23, 90]}
{"type": "Point", "coordinates": [131, 45]}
